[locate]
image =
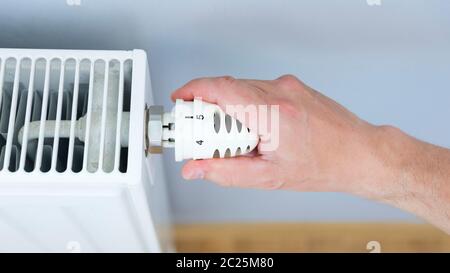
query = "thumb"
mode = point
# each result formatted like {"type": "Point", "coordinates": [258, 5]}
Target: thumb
{"type": "Point", "coordinates": [244, 172]}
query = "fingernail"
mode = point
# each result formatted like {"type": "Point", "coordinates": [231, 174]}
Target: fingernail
{"type": "Point", "coordinates": [194, 174]}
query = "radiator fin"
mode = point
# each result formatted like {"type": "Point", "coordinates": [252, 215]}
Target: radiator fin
{"type": "Point", "coordinates": [56, 90]}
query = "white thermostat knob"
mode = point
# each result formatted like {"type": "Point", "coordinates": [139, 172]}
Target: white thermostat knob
{"type": "Point", "coordinates": [197, 130]}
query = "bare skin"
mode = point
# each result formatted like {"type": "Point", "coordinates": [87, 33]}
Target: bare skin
{"type": "Point", "coordinates": [325, 147]}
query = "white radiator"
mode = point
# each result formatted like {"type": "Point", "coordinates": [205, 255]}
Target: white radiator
{"type": "Point", "coordinates": [71, 176]}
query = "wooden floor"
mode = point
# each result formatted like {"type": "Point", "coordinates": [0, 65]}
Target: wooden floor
{"type": "Point", "coordinates": [310, 237]}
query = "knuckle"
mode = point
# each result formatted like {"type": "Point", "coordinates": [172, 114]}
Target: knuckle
{"type": "Point", "coordinates": [215, 168]}
{"type": "Point", "coordinates": [225, 80]}
{"type": "Point", "coordinates": [273, 184]}
{"type": "Point", "coordinates": [289, 81]}
{"type": "Point", "coordinates": [271, 180]}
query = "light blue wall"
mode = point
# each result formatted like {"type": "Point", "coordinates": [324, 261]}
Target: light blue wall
{"type": "Point", "coordinates": [389, 64]}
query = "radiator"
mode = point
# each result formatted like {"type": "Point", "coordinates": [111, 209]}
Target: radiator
{"type": "Point", "coordinates": [74, 174]}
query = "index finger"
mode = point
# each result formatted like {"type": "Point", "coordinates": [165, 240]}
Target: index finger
{"type": "Point", "coordinates": [222, 91]}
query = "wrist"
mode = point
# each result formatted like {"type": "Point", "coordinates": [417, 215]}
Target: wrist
{"type": "Point", "coordinates": [420, 176]}
{"type": "Point", "coordinates": [410, 174]}
{"type": "Point", "coordinates": [387, 173]}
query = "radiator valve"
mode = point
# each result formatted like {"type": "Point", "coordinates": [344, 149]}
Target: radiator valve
{"type": "Point", "coordinates": [197, 130]}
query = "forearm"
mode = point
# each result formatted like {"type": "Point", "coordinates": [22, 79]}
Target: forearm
{"type": "Point", "coordinates": [414, 176]}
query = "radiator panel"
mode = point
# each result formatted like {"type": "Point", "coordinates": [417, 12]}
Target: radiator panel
{"type": "Point", "coordinates": [51, 87]}
{"type": "Point", "coordinates": [66, 194]}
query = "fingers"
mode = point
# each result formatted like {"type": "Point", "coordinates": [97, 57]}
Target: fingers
{"type": "Point", "coordinates": [238, 98]}
{"type": "Point", "coordinates": [245, 172]}
{"type": "Point", "coordinates": [221, 90]}
{"type": "Point", "coordinates": [202, 87]}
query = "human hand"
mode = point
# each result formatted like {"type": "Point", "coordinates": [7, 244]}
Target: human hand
{"type": "Point", "coordinates": [322, 146]}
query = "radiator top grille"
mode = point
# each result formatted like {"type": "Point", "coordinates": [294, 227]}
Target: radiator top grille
{"type": "Point", "coordinates": [45, 96]}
